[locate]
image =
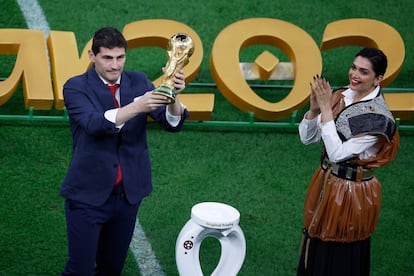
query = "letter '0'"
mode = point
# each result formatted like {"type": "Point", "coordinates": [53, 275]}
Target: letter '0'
{"type": "Point", "coordinates": [299, 46]}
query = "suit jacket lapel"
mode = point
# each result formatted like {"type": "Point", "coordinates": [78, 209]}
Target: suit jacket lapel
{"type": "Point", "coordinates": [127, 93]}
{"type": "Point", "coordinates": [100, 92]}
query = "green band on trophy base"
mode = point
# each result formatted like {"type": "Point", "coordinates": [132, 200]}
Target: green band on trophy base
{"type": "Point", "coordinates": [166, 91]}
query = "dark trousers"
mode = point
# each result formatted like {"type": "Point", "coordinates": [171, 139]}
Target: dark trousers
{"type": "Point", "coordinates": [99, 237]}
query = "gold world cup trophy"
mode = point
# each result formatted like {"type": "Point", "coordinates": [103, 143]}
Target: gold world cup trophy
{"type": "Point", "coordinates": [179, 49]}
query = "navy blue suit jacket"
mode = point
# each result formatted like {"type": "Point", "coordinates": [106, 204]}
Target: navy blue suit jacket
{"type": "Point", "coordinates": [98, 146]}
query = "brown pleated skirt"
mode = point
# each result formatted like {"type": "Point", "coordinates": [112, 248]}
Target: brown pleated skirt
{"type": "Point", "coordinates": [341, 210]}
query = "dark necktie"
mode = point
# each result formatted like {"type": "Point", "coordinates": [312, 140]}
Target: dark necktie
{"type": "Point", "coordinates": [113, 89]}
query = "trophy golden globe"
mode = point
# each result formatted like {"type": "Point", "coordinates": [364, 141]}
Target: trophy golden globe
{"type": "Point", "coordinates": [179, 49]}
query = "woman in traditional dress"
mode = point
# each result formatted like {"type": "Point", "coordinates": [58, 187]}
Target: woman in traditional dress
{"type": "Point", "coordinates": [342, 204]}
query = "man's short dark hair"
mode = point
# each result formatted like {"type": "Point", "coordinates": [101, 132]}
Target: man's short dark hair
{"type": "Point", "coordinates": [108, 37]}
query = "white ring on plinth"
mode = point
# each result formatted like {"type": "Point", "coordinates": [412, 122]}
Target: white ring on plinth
{"type": "Point", "coordinates": [215, 215]}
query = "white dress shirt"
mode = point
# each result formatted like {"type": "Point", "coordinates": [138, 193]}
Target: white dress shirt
{"type": "Point", "coordinates": [110, 114]}
{"type": "Point", "coordinates": [312, 131]}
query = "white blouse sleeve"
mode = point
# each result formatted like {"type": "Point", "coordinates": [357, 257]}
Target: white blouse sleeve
{"type": "Point", "coordinates": [338, 151]}
{"type": "Point", "coordinates": [309, 132]}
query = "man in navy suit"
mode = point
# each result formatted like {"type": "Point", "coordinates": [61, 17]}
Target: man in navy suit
{"type": "Point", "coordinates": [110, 171]}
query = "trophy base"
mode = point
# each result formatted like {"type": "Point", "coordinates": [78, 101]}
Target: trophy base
{"type": "Point", "coordinates": [165, 91]}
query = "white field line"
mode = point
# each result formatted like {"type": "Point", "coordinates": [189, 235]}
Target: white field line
{"type": "Point", "coordinates": [34, 16]}
{"type": "Point", "coordinates": [145, 257]}
{"type": "Point", "coordinates": [139, 246]}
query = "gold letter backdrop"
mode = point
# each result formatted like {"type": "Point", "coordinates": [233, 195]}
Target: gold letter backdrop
{"type": "Point", "coordinates": [31, 65]}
